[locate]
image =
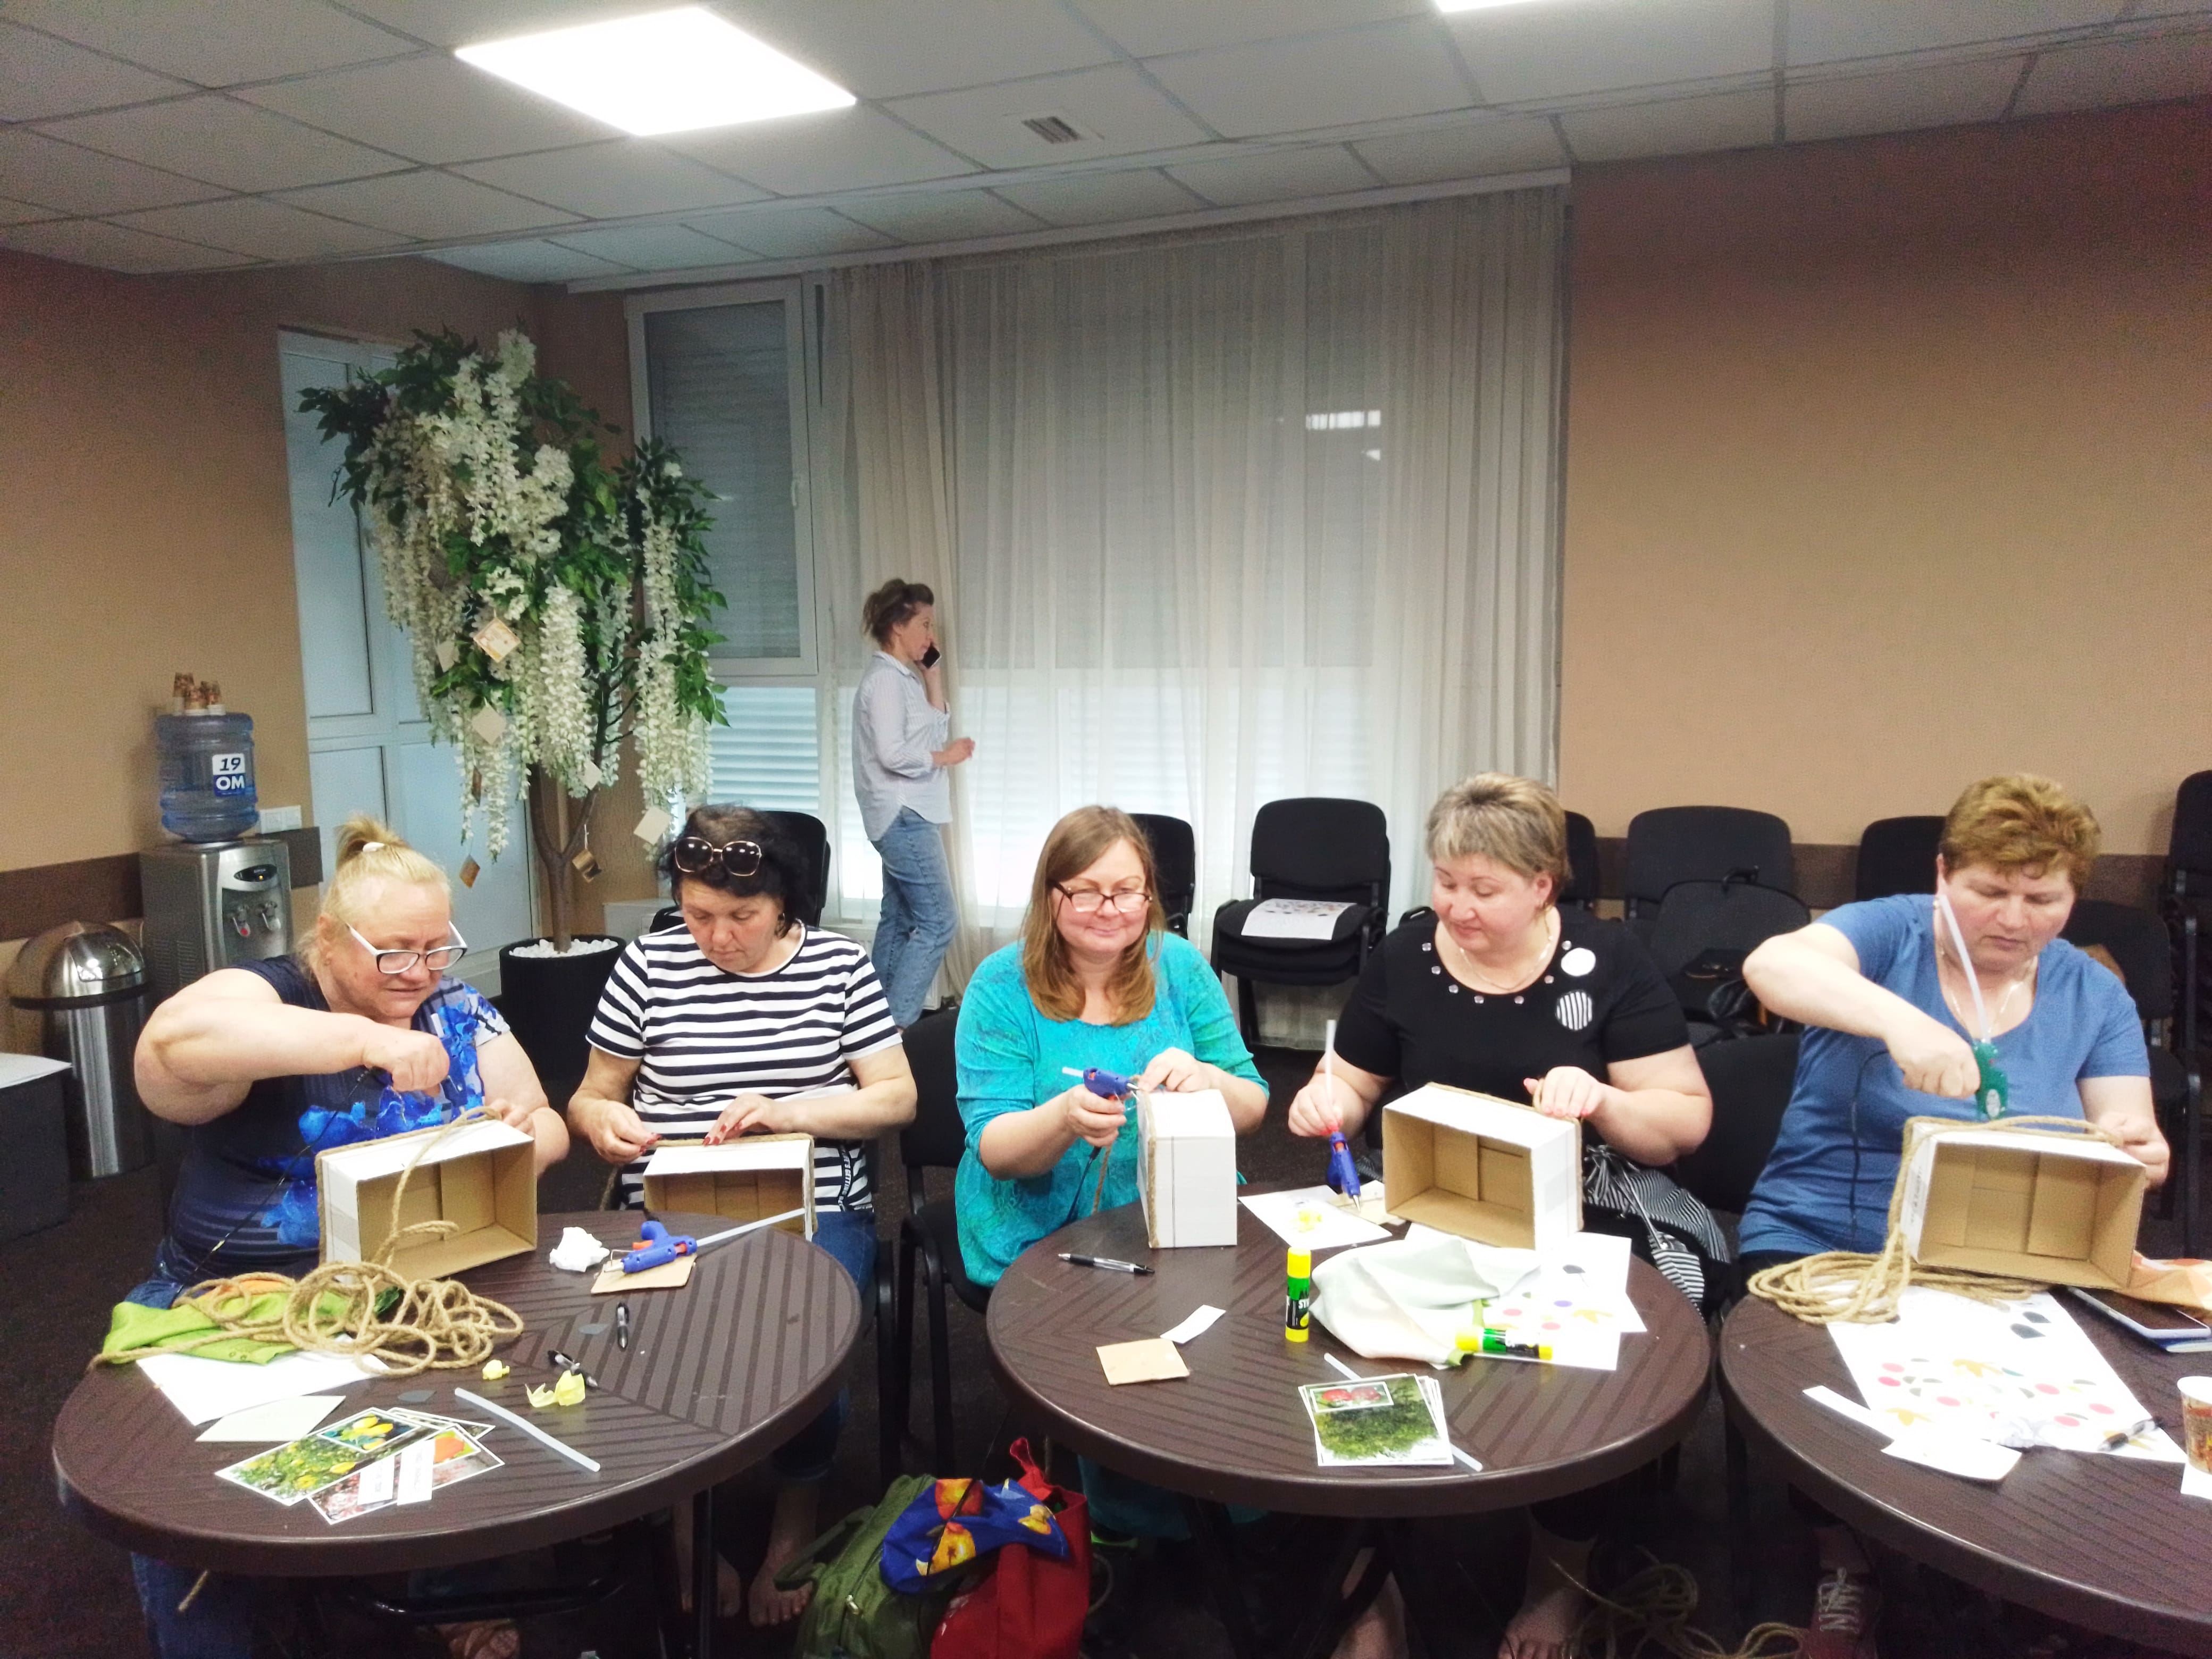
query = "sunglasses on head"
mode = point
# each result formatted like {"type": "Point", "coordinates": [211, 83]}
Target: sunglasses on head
{"type": "Point", "coordinates": [696, 855]}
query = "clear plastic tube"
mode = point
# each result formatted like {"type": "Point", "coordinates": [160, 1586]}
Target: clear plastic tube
{"type": "Point", "coordinates": [1965, 965]}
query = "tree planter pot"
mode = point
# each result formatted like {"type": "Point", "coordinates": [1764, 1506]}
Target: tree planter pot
{"type": "Point", "coordinates": [550, 1001]}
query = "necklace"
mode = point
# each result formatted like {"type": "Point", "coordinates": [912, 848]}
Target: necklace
{"type": "Point", "coordinates": [1519, 980]}
{"type": "Point", "coordinates": [1951, 999]}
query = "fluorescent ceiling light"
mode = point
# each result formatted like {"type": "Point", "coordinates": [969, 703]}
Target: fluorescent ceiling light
{"type": "Point", "coordinates": [1473, 5]}
{"type": "Point", "coordinates": [668, 71]}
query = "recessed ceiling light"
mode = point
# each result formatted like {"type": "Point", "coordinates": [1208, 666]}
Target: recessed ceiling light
{"type": "Point", "coordinates": [668, 71]}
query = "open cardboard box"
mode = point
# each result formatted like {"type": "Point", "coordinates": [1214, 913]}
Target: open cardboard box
{"type": "Point", "coordinates": [2025, 1203]}
{"type": "Point", "coordinates": [482, 1177]}
{"type": "Point", "coordinates": [747, 1179]}
{"type": "Point", "coordinates": [1483, 1168]}
{"type": "Point", "coordinates": [1186, 1168]}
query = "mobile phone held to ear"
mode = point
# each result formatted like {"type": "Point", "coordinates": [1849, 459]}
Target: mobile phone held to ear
{"type": "Point", "coordinates": [932, 656]}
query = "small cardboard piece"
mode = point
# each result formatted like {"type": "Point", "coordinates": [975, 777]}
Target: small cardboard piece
{"type": "Point", "coordinates": [747, 1179]}
{"type": "Point", "coordinates": [481, 1176]}
{"type": "Point", "coordinates": [1153, 1359]}
{"type": "Point", "coordinates": [2025, 1203]}
{"type": "Point", "coordinates": [1186, 1168]}
{"type": "Point", "coordinates": [1486, 1169]}
{"type": "Point", "coordinates": [668, 1276]}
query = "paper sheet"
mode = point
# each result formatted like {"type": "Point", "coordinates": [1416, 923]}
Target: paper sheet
{"type": "Point", "coordinates": [1313, 1218]}
{"type": "Point", "coordinates": [1313, 919]}
{"type": "Point", "coordinates": [413, 1476]}
{"type": "Point", "coordinates": [2195, 1482]}
{"type": "Point", "coordinates": [275, 1423]}
{"type": "Point", "coordinates": [204, 1389]}
{"type": "Point", "coordinates": [1154, 1359]}
{"type": "Point", "coordinates": [1953, 1454]}
{"type": "Point", "coordinates": [1200, 1322]}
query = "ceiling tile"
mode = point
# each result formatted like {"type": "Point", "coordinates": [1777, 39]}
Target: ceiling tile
{"type": "Point", "coordinates": [435, 109]}
{"type": "Point", "coordinates": [430, 205]}
{"type": "Point", "coordinates": [613, 181]}
{"type": "Point", "coordinates": [1276, 175]}
{"type": "Point", "coordinates": [1118, 111]}
{"type": "Point", "coordinates": [22, 213]}
{"type": "Point", "coordinates": [223, 142]}
{"type": "Point", "coordinates": [460, 22]}
{"type": "Point", "coordinates": [41, 76]}
{"type": "Point", "coordinates": [1094, 198]}
{"type": "Point", "coordinates": [792, 232]}
{"type": "Point", "coordinates": [1725, 120]}
{"type": "Point", "coordinates": [650, 247]}
{"type": "Point", "coordinates": [215, 45]}
{"type": "Point", "coordinates": [941, 217]}
{"type": "Point", "coordinates": [73, 180]}
{"type": "Point", "coordinates": [1380, 74]}
{"type": "Point", "coordinates": [527, 262]}
{"type": "Point", "coordinates": [1152, 28]}
{"type": "Point", "coordinates": [2118, 72]}
{"type": "Point", "coordinates": [921, 45]}
{"type": "Point", "coordinates": [1934, 95]}
{"type": "Point", "coordinates": [1474, 150]}
{"type": "Point", "coordinates": [1823, 31]}
{"type": "Point", "coordinates": [813, 154]}
{"type": "Point", "coordinates": [91, 242]}
{"type": "Point", "coordinates": [1531, 54]}
{"type": "Point", "coordinates": [262, 230]}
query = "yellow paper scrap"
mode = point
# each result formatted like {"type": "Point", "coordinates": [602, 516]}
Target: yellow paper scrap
{"type": "Point", "coordinates": [543, 1396]}
{"type": "Point", "coordinates": [569, 1390]}
{"type": "Point", "coordinates": [494, 1370]}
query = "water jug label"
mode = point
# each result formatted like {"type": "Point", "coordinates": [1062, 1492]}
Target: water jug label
{"type": "Point", "coordinates": [230, 778]}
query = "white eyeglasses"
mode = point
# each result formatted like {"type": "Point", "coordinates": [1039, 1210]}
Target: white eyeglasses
{"type": "Point", "coordinates": [402, 961]}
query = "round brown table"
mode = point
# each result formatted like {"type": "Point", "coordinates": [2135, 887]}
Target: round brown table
{"type": "Point", "coordinates": [2107, 1542]}
{"type": "Point", "coordinates": [1236, 1432]}
{"type": "Point", "coordinates": [717, 1376]}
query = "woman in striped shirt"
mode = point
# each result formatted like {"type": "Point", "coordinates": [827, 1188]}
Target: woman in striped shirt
{"type": "Point", "coordinates": [747, 1021]}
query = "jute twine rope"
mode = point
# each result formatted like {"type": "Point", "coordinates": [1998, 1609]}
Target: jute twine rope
{"type": "Point", "coordinates": [1653, 1609]}
{"type": "Point", "coordinates": [1850, 1288]}
{"type": "Point", "coordinates": [436, 1324]}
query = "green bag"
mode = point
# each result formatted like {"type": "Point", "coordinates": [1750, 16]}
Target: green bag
{"type": "Point", "coordinates": [853, 1613]}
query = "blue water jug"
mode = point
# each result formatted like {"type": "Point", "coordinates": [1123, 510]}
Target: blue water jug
{"type": "Point", "coordinates": [207, 775]}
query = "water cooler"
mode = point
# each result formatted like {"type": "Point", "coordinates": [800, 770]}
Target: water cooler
{"type": "Point", "coordinates": [210, 904]}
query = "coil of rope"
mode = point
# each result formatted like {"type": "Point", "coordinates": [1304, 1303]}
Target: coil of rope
{"type": "Point", "coordinates": [1652, 1609]}
{"type": "Point", "coordinates": [365, 1309]}
{"type": "Point", "coordinates": [1848, 1287]}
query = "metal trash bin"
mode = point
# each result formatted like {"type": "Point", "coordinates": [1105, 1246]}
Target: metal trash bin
{"type": "Point", "coordinates": [77, 994]}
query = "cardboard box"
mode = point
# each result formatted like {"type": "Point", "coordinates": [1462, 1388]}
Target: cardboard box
{"type": "Point", "coordinates": [1486, 1169]}
{"type": "Point", "coordinates": [481, 1176]}
{"type": "Point", "coordinates": [2029, 1204]}
{"type": "Point", "coordinates": [1186, 1168]}
{"type": "Point", "coordinates": [745, 1179]}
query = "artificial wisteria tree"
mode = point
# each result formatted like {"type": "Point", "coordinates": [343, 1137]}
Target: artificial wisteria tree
{"type": "Point", "coordinates": [555, 604]}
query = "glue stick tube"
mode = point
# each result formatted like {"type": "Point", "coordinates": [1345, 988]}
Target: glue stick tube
{"type": "Point", "coordinates": [1298, 1287]}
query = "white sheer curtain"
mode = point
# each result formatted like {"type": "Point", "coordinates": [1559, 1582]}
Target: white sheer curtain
{"type": "Point", "coordinates": [1213, 521]}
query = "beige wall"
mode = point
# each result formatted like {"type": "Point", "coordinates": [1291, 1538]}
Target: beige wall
{"type": "Point", "coordinates": [146, 526]}
{"type": "Point", "coordinates": [1890, 465]}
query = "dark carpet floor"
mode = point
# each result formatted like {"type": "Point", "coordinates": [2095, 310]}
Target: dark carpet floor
{"type": "Point", "coordinates": [64, 1594]}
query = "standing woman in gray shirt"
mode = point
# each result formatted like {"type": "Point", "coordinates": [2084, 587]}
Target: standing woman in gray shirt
{"type": "Point", "coordinates": [902, 752]}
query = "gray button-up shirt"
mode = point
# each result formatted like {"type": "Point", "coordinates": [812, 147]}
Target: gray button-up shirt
{"type": "Point", "coordinates": [895, 732]}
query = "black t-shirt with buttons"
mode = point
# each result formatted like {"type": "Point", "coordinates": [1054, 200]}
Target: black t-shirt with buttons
{"type": "Point", "coordinates": [1600, 999]}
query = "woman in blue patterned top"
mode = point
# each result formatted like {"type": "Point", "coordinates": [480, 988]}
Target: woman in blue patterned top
{"type": "Point", "coordinates": [267, 1064]}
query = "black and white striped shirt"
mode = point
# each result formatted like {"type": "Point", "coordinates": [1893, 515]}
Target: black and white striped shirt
{"type": "Point", "coordinates": [701, 1036]}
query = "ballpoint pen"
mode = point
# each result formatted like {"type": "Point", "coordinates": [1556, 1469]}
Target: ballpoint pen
{"type": "Point", "coordinates": [2120, 1437]}
{"type": "Point", "coordinates": [1106, 1261]}
{"type": "Point", "coordinates": [575, 1366]}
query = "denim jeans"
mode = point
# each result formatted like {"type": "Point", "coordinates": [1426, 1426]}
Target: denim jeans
{"type": "Point", "coordinates": [850, 1236]}
{"type": "Point", "coordinates": [918, 915]}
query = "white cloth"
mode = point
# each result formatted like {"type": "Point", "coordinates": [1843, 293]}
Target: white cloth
{"type": "Point", "coordinates": [895, 732]}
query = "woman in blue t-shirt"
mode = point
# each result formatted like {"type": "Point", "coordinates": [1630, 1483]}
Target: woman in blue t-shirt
{"type": "Point", "coordinates": [1893, 1009]}
{"type": "Point", "coordinates": [362, 1035]}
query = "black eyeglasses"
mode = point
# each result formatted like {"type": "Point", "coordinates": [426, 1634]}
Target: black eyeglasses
{"type": "Point", "coordinates": [696, 855]}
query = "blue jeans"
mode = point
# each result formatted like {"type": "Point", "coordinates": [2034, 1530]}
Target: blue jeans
{"type": "Point", "coordinates": [918, 915]}
{"type": "Point", "coordinates": [850, 1236]}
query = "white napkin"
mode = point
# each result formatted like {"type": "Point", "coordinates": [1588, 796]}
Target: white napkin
{"type": "Point", "coordinates": [578, 1252]}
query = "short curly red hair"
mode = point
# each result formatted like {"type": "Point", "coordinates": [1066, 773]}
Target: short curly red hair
{"type": "Point", "coordinates": [2019, 822]}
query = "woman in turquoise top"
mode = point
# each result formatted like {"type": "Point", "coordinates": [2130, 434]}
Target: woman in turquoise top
{"type": "Point", "coordinates": [1097, 981]}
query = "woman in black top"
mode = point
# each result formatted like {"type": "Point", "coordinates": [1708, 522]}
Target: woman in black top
{"type": "Point", "coordinates": [1497, 992]}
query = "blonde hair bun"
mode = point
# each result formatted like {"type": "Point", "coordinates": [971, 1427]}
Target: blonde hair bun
{"type": "Point", "coordinates": [369, 851]}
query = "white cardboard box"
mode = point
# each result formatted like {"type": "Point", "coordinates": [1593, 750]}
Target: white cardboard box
{"type": "Point", "coordinates": [747, 1179]}
{"type": "Point", "coordinates": [1187, 1173]}
{"type": "Point", "coordinates": [2030, 1204]}
{"type": "Point", "coordinates": [482, 1177]}
{"type": "Point", "coordinates": [1486, 1168]}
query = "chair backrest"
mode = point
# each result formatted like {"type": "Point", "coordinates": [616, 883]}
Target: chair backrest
{"type": "Point", "coordinates": [667, 916]}
{"type": "Point", "coordinates": [1174, 857]}
{"type": "Point", "coordinates": [1696, 916]}
{"type": "Point", "coordinates": [1320, 846]}
{"type": "Point", "coordinates": [2137, 941]}
{"type": "Point", "coordinates": [936, 1138]}
{"type": "Point", "coordinates": [807, 833]}
{"type": "Point", "coordinates": [1671, 844]}
{"type": "Point", "coordinates": [1582, 862]}
{"type": "Point", "coordinates": [1751, 1078]}
{"type": "Point", "coordinates": [2189, 848]}
{"type": "Point", "coordinates": [1897, 856]}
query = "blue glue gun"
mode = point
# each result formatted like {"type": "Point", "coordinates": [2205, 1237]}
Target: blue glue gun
{"type": "Point", "coordinates": [1107, 1085]}
{"type": "Point", "coordinates": [1343, 1174]}
{"type": "Point", "coordinates": [657, 1247]}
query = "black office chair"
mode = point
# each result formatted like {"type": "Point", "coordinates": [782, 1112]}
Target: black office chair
{"type": "Point", "coordinates": [2137, 942]}
{"type": "Point", "coordinates": [931, 1229]}
{"type": "Point", "coordinates": [2189, 909]}
{"type": "Point", "coordinates": [1175, 858]}
{"type": "Point", "coordinates": [1581, 890]}
{"type": "Point", "coordinates": [1897, 856]}
{"type": "Point", "coordinates": [1312, 847]}
{"type": "Point", "coordinates": [1702, 931]}
{"type": "Point", "coordinates": [1671, 844]}
{"type": "Point", "coordinates": [1751, 1082]}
